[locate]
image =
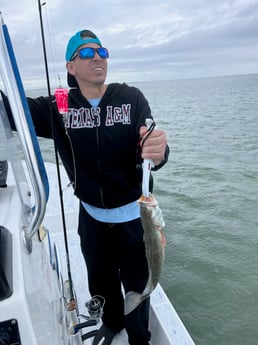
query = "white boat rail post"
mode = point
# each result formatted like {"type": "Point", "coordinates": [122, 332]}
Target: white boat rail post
{"type": "Point", "coordinates": [18, 102]}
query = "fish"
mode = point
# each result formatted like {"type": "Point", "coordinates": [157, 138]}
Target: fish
{"type": "Point", "coordinates": [154, 240]}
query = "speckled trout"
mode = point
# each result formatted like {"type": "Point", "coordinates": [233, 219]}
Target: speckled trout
{"type": "Point", "coordinates": [154, 239]}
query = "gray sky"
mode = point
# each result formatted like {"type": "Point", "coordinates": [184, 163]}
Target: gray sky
{"type": "Point", "coordinates": [147, 40]}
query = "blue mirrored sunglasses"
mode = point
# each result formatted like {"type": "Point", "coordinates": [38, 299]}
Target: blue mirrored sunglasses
{"type": "Point", "coordinates": [89, 53]}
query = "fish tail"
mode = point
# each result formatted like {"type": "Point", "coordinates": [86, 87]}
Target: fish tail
{"type": "Point", "coordinates": [132, 300]}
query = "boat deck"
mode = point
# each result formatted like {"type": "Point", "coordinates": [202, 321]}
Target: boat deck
{"type": "Point", "coordinates": [164, 321]}
{"type": "Point", "coordinates": [171, 324]}
{"type": "Point", "coordinates": [165, 324]}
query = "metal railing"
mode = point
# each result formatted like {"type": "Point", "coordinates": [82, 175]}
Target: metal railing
{"type": "Point", "coordinates": [21, 115]}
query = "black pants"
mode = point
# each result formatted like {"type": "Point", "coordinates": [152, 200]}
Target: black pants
{"type": "Point", "coordinates": [115, 254]}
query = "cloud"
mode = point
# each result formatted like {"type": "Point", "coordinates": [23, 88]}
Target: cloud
{"type": "Point", "coordinates": [155, 40]}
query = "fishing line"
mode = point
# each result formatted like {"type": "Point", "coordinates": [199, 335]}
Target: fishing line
{"type": "Point", "coordinates": [147, 134]}
{"type": "Point", "coordinates": [52, 44]}
{"type": "Point", "coordinates": [56, 153]}
{"type": "Point", "coordinates": [142, 140]}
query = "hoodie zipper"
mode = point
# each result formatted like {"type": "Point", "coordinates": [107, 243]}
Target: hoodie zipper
{"type": "Point", "coordinates": [99, 168]}
{"type": "Point", "coordinates": [74, 168]}
{"type": "Point", "coordinates": [98, 164]}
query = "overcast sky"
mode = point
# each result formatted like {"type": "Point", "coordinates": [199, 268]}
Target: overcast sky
{"type": "Point", "coordinates": [147, 40]}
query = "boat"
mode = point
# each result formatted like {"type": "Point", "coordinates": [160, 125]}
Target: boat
{"type": "Point", "coordinates": [44, 298]}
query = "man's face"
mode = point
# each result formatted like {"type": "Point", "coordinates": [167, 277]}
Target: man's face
{"type": "Point", "coordinates": [92, 70]}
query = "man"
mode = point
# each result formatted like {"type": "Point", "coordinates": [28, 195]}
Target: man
{"type": "Point", "coordinates": [98, 142]}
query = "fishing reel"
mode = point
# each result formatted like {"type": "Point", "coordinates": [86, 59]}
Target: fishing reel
{"type": "Point", "coordinates": [95, 310]}
{"type": "Point", "coordinates": [95, 307]}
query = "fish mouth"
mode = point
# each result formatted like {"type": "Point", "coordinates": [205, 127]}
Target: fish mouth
{"type": "Point", "coordinates": [146, 200]}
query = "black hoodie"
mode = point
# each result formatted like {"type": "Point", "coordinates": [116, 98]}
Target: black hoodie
{"type": "Point", "coordinates": [99, 147]}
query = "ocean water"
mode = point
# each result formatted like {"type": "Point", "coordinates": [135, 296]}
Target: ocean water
{"type": "Point", "coordinates": [208, 192]}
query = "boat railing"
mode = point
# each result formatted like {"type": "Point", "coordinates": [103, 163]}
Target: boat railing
{"type": "Point", "coordinates": [27, 136]}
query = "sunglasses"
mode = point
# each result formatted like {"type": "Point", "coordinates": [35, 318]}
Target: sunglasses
{"type": "Point", "coordinates": [89, 53]}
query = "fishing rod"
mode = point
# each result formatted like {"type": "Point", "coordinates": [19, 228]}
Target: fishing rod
{"type": "Point", "coordinates": [40, 5]}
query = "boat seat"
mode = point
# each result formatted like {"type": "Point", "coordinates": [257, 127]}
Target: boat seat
{"type": "Point", "coordinates": [6, 267]}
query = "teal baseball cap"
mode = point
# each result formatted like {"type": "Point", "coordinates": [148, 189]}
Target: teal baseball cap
{"type": "Point", "coordinates": [78, 40]}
